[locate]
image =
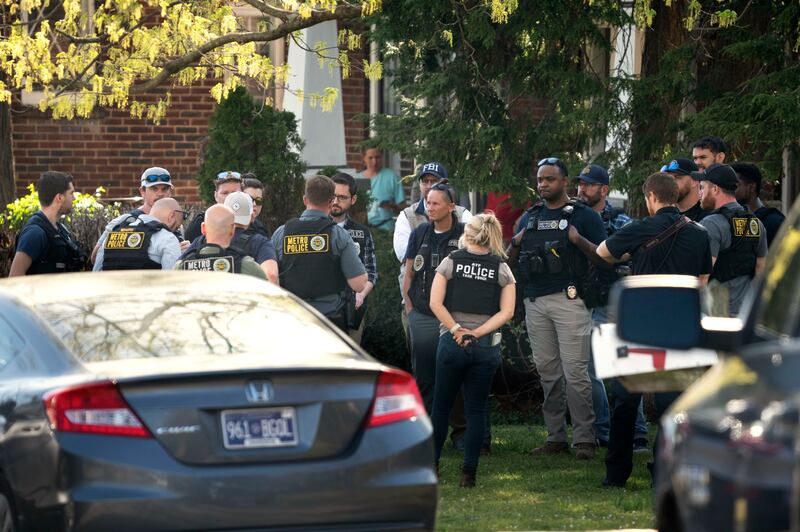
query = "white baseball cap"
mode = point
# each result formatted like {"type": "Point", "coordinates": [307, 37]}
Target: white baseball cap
{"type": "Point", "coordinates": [242, 206]}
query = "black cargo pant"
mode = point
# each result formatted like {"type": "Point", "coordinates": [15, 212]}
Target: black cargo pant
{"type": "Point", "coordinates": [624, 408]}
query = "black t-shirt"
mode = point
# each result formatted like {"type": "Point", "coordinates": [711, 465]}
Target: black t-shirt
{"type": "Point", "coordinates": [696, 213]}
{"type": "Point", "coordinates": [193, 230]}
{"type": "Point", "coordinates": [772, 220]}
{"type": "Point", "coordinates": [685, 253]}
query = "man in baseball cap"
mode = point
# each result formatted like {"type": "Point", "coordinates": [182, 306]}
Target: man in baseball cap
{"type": "Point", "coordinates": [688, 189]}
{"type": "Point", "coordinates": [737, 237]}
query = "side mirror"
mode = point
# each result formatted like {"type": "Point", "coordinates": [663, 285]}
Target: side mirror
{"type": "Point", "coordinates": [665, 311]}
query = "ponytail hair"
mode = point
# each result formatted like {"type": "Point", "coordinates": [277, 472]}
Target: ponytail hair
{"type": "Point", "coordinates": [484, 230]}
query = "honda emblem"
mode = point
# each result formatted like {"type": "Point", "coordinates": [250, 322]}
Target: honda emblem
{"type": "Point", "coordinates": [259, 391]}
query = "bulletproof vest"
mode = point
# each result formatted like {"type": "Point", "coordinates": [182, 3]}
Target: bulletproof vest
{"type": "Point", "coordinates": [740, 258]}
{"type": "Point", "coordinates": [608, 216]}
{"type": "Point", "coordinates": [127, 244]}
{"type": "Point", "coordinates": [432, 250]}
{"type": "Point", "coordinates": [475, 283]}
{"type": "Point", "coordinates": [221, 260]}
{"type": "Point", "coordinates": [309, 268]}
{"type": "Point", "coordinates": [358, 233]}
{"type": "Point", "coordinates": [63, 254]}
{"type": "Point", "coordinates": [416, 219]}
{"type": "Point", "coordinates": [545, 251]}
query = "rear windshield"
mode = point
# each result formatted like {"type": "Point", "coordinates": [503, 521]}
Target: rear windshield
{"type": "Point", "coordinates": [164, 324]}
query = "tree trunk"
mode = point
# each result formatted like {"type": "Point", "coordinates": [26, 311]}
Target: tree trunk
{"type": "Point", "coordinates": [7, 184]}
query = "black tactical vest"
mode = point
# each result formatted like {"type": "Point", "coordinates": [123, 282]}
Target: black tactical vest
{"type": "Point", "coordinates": [309, 269]}
{"type": "Point", "coordinates": [63, 254]}
{"type": "Point", "coordinates": [241, 243]}
{"type": "Point", "coordinates": [427, 260]}
{"type": "Point", "coordinates": [221, 260]}
{"type": "Point", "coordinates": [740, 258]}
{"type": "Point", "coordinates": [127, 244]}
{"type": "Point", "coordinates": [358, 233]}
{"type": "Point", "coordinates": [475, 283]}
{"type": "Point", "coordinates": [545, 249]}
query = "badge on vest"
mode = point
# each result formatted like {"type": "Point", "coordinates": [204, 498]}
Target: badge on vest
{"type": "Point", "coordinates": [746, 227]}
{"type": "Point", "coordinates": [215, 264]}
{"type": "Point", "coordinates": [124, 240]}
{"type": "Point", "coordinates": [572, 292]}
{"type": "Point", "coordinates": [419, 262]}
{"type": "Point", "coordinates": [358, 247]}
{"type": "Point", "coordinates": [562, 224]}
{"type": "Point", "coordinates": [304, 244]}
{"type": "Point", "coordinates": [547, 225]}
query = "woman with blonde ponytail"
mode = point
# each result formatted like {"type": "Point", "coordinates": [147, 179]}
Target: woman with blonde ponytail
{"type": "Point", "coordinates": [472, 295]}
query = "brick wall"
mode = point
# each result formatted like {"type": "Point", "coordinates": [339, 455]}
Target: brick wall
{"type": "Point", "coordinates": [355, 101]}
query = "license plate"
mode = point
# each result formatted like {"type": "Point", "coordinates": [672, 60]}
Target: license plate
{"type": "Point", "coordinates": [252, 429]}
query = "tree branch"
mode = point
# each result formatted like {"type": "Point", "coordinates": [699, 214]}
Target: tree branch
{"type": "Point", "coordinates": [176, 65]}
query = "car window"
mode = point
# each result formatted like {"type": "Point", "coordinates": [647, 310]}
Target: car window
{"type": "Point", "coordinates": [779, 312]}
{"type": "Point", "coordinates": [165, 324]}
{"type": "Point", "coordinates": [11, 344]}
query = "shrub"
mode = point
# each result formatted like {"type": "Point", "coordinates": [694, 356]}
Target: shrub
{"type": "Point", "coordinates": [247, 136]}
{"type": "Point", "coordinates": [86, 222]}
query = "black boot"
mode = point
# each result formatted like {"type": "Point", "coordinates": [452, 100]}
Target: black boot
{"type": "Point", "coordinates": [468, 477]}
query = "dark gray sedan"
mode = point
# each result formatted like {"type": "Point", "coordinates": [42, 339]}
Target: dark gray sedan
{"type": "Point", "coordinates": [199, 401]}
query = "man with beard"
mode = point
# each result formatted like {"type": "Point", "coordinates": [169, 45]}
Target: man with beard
{"type": "Point", "coordinates": [344, 198]}
{"type": "Point", "coordinates": [688, 189]}
{"type": "Point", "coordinates": [558, 322]}
{"type": "Point", "coordinates": [593, 187]}
{"type": "Point", "coordinates": [708, 150]}
{"type": "Point", "coordinates": [737, 237]}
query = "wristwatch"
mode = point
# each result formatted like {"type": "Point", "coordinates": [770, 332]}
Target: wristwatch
{"type": "Point", "coordinates": [454, 328]}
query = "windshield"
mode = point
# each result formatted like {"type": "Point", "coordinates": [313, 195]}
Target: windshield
{"type": "Point", "coordinates": [175, 324]}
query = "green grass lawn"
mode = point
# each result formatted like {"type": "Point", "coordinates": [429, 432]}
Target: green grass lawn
{"type": "Point", "coordinates": [518, 492]}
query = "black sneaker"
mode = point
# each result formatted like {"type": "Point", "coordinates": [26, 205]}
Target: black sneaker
{"type": "Point", "coordinates": [640, 446]}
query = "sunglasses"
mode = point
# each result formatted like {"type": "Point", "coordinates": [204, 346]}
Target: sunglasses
{"type": "Point", "coordinates": [223, 176]}
{"type": "Point", "coordinates": [257, 201]}
{"type": "Point", "coordinates": [443, 186]}
{"type": "Point", "coordinates": [155, 178]}
{"type": "Point", "coordinates": [185, 214]}
{"type": "Point", "coordinates": [672, 166]}
{"type": "Point", "coordinates": [549, 161]}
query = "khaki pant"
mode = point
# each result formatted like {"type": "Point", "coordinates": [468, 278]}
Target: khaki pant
{"type": "Point", "coordinates": [559, 330]}
{"type": "Point", "coordinates": [356, 334]}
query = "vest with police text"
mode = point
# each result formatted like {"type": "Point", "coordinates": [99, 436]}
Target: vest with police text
{"type": "Point", "coordinates": [220, 259]}
{"type": "Point", "coordinates": [309, 268]}
{"type": "Point", "coordinates": [432, 250]}
{"type": "Point", "coordinates": [127, 244]}
{"type": "Point", "coordinates": [63, 254]}
{"type": "Point", "coordinates": [358, 233]}
{"type": "Point", "coordinates": [475, 284]}
{"type": "Point", "coordinates": [740, 258]}
{"type": "Point", "coordinates": [545, 251]}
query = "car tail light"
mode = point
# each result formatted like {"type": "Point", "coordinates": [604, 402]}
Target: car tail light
{"type": "Point", "coordinates": [397, 398]}
{"type": "Point", "coordinates": [96, 408]}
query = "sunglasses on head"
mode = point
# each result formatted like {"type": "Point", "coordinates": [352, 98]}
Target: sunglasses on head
{"type": "Point", "coordinates": [185, 214]}
{"type": "Point", "coordinates": [550, 161]}
{"type": "Point", "coordinates": [223, 176]}
{"type": "Point", "coordinates": [445, 187]}
{"type": "Point", "coordinates": [673, 165]}
{"type": "Point", "coordinates": [155, 178]}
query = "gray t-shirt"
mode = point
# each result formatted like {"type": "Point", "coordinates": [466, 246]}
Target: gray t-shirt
{"type": "Point", "coordinates": [719, 237]}
{"type": "Point", "coordinates": [466, 319]}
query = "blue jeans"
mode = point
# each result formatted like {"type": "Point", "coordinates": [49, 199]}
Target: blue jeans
{"type": "Point", "coordinates": [602, 415]}
{"type": "Point", "coordinates": [472, 368]}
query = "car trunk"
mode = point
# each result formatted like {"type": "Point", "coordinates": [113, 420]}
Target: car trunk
{"type": "Point", "coordinates": [253, 416]}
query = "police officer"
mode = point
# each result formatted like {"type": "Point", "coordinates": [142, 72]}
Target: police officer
{"type": "Point", "coordinates": [344, 199]}
{"type": "Point", "coordinates": [318, 260]}
{"type": "Point", "coordinates": [748, 191]}
{"type": "Point", "coordinates": [559, 324]}
{"type": "Point", "coordinates": [44, 245]}
{"type": "Point", "coordinates": [143, 242]}
{"type": "Point", "coordinates": [253, 244]}
{"type": "Point", "coordinates": [472, 295]}
{"type": "Point", "coordinates": [666, 242]}
{"type": "Point", "coordinates": [216, 255]}
{"type": "Point", "coordinates": [737, 236]}
{"type": "Point", "coordinates": [593, 187]}
{"type": "Point", "coordinates": [688, 190]}
{"type": "Point", "coordinates": [427, 246]}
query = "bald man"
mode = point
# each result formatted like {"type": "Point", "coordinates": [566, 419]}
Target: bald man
{"type": "Point", "coordinates": [218, 228]}
{"type": "Point", "coordinates": [143, 242]}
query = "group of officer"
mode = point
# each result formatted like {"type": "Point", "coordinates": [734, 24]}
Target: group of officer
{"type": "Point", "coordinates": [705, 220]}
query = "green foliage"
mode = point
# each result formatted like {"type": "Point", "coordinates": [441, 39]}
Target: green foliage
{"type": "Point", "coordinates": [383, 334]}
{"type": "Point", "coordinates": [247, 136]}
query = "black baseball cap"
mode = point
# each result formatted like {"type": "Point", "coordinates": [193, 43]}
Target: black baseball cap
{"type": "Point", "coordinates": [434, 169]}
{"type": "Point", "coordinates": [680, 166]}
{"type": "Point", "coordinates": [721, 175]}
